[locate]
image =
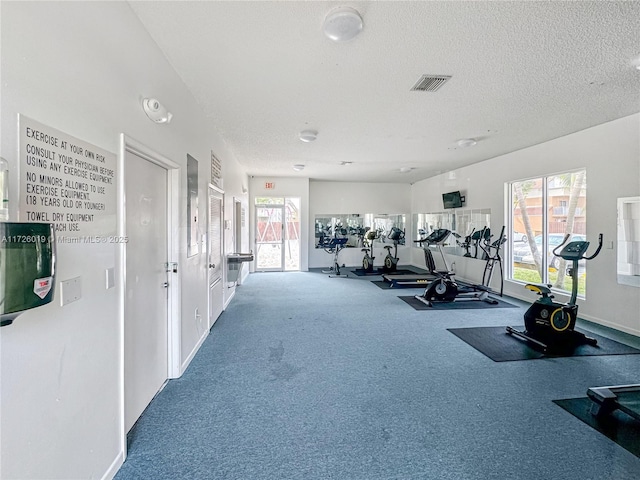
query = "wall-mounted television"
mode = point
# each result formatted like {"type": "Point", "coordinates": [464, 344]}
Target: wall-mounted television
{"type": "Point", "coordinates": [452, 200]}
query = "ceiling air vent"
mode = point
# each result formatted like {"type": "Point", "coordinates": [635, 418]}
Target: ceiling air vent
{"type": "Point", "coordinates": [430, 83]}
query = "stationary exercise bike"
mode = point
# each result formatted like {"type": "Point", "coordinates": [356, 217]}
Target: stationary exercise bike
{"type": "Point", "coordinates": [391, 261]}
{"type": "Point", "coordinates": [549, 325]}
{"type": "Point", "coordinates": [445, 289]}
{"type": "Point", "coordinates": [334, 246]}
{"type": "Point", "coordinates": [367, 261]}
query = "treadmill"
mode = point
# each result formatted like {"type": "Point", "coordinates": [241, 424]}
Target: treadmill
{"type": "Point", "coordinates": [606, 400]}
{"type": "Point", "coordinates": [437, 238]}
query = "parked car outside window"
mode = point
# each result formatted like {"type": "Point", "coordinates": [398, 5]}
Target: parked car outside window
{"type": "Point", "coordinates": [522, 253]}
{"type": "Point", "coordinates": [519, 237]}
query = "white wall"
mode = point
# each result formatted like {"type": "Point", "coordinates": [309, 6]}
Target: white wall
{"type": "Point", "coordinates": [283, 187]}
{"type": "Point", "coordinates": [348, 198]}
{"type": "Point", "coordinates": [83, 68]}
{"type": "Point", "coordinates": [611, 155]}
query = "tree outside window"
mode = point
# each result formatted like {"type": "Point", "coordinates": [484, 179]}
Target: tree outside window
{"type": "Point", "coordinates": [544, 210]}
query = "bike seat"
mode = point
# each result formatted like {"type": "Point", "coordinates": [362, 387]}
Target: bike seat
{"type": "Point", "coordinates": [539, 288]}
{"type": "Point", "coordinates": [388, 247]}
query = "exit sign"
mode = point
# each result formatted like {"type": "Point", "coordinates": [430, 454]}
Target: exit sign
{"type": "Point", "coordinates": [269, 185]}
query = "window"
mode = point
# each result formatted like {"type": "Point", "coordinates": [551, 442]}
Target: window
{"type": "Point", "coordinates": [543, 211]}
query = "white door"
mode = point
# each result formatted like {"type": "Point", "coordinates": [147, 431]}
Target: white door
{"type": "Point", "coordinates": [215, 263]}
{"type": "Point", "coordinates": [145, 316]}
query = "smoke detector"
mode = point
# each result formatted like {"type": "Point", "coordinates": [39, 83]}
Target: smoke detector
{"type": "Point", "coordinates": [308, 135]}
{"type": "Point", "coordinates": [342, 24]}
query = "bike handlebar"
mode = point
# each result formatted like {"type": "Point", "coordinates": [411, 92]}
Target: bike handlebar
{"type": "Point", "coordinates": [597, 250]}
{"type": "Point", "coordinates": [566, 237]}
{"type": "Point", "coordinates": [564, 240]}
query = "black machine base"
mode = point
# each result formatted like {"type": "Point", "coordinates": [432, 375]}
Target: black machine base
{"type": "Point", "coordinates": [562, 343]}
{"type": "Point", "coordinates": [625, 398]}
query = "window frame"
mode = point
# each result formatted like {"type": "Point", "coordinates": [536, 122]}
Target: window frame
{"type": "Point", "coordinates": [546, 204]}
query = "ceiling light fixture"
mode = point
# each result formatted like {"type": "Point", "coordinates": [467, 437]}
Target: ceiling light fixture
{"type": "Point", "coordinates": [156, 111]}
{"type": "Point", "coordinates": [346, 164]}
{"type": "Point", "coordinates": [466, 142]}
{"type": "Point", "coordinates": [298, 167]}
{"type": "Point", "coordinates": [308, 135]}
{"type": "Point", "coordinates": [342, 24]}
{"type": "Point", "coordinates": [405, 169]}
{"type": "Point", "coordinates": [636, 62]}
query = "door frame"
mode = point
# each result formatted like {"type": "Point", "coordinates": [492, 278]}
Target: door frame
{"type": "Point", "coordinates": [129, 145]}
{"type": "Point", "coordinates": [217, 193]}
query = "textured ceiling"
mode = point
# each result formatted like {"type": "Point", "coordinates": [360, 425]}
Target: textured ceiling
{"type": "Point", "coordinates": [522, 73]}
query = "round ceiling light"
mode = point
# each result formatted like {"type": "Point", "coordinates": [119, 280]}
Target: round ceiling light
{"type": "Point", "coordinates": [342, 24]}
{"type": "Point", "coordinates": [298, 167]}
{"type": "Point", "coordinates": [308, 135]}
{"type": "Point", "coordinates": [466, 142]}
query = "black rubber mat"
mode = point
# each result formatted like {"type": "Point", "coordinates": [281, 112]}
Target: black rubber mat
{"type": "Point", "coordinates": [619, 427]}
{"type": "Point", "coordinates": [379, 271]}
{"type": "Point", "coordinates": [499, 346]}
{"type": "Point", "coordinates": [387, 285]}
{"type": "Point", "coordinates": [461, 305]}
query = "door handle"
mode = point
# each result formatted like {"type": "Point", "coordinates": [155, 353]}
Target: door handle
{"type": "Point", "coordinates": [212, 265]}
{"type": "Point", "coordinates": [165, 285]}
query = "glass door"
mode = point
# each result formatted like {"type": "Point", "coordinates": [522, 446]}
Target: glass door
{"type": "Point", "coordinates": [269, 238]}
{"type": "Point", "coordinates": [277, 234]}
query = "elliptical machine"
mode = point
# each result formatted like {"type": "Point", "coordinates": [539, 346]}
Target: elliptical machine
{"type": "Point", "coordinates": [391, 261]}
{"type": "Point", "coordinates": [550, 325]}
{"type": "Point", "coordinates": [367, 262]}
{"type": "Point", "coordinates": [493, 258]}
{"type": "Point", "coordinates": [475, 240]}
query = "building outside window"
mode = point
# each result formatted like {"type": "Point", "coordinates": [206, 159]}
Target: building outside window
{"type": "Point", "coordinates": [543, 211]}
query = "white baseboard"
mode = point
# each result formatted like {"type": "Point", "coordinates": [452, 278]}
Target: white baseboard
{"type": "Point", "coordinates": [114, 467]}
{"type": "Point", "coordinates": [195, 349]}
{"type": "Point", "coordinates": [228, 300]}
{"type": "Point", "coordinates": [613, 325]}
{"type": "Point", "coordinates": [591, 318]}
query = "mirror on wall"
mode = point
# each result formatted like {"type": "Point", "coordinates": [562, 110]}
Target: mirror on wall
{"type": "Point", "coordinates": [353, 226]}
{"type": "Point", "coordinates": [328, 226]}
{"type": "Point", "coordinates": [628, 256]}
{"type": "Point", "coordinates": [384, 224]}
{"type": "Point", "coordinates": [463, 223]}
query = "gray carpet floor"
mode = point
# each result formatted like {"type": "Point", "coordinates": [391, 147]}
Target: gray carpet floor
{"type": "Point", "coordinates": [310, 377]}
